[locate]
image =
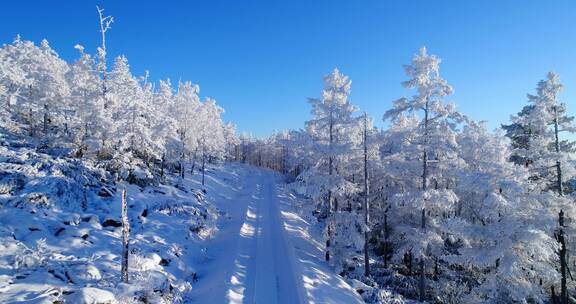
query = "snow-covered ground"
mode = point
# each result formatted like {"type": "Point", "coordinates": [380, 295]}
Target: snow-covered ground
{"type": "Point", "coordinates": [61, 242]}
{"type": "Point", "coordinates": [264, 252]}
{"type": "Point", "coordinates": [320, 283]}
{"type": "Point", "coordinates": [238, 241]}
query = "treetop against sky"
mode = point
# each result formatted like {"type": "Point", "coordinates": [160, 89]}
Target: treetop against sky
{"type": "Point", "coordinates": [263, 59]}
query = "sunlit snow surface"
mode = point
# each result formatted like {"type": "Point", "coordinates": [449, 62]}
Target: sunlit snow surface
{"type": "Point", "coordinates": [241, 242]}
{"type": "Point", "coordinates": [265, 253]}
{"type": "Point", "coordinates": [50, 249]}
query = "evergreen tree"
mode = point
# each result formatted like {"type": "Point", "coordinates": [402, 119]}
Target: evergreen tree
{"type": "Point", "coordinates": [548, 156]}
{"type": "Point", "coordinates": [336, 138]}
{"type": "Point", "coordinates": [434, 142]}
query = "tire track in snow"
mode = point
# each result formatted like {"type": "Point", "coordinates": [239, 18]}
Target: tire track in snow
{"type": "Point", "coordinates": [264, 254]}
{"type": "Point", "coordinates": [241, 283]}
{"type": "Point", "coordinates": [216, 271]}
{"type": "Point", "coordinates": [267, 275]}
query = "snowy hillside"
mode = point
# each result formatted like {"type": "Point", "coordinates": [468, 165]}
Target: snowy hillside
{"type": "Point", "coordinates": [122, 188]}
{"type": "Point", "coordinates": [52, 247]}
{"type": "Point", "coordinates": [238, 241]}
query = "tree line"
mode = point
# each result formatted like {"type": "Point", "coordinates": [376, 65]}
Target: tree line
{"type": "Point", "coordinates": [128, 124]}
{"type": "Point", "coordinates": [435, 206]}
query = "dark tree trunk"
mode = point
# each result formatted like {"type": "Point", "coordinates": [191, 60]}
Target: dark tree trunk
{"type": "Point", "coordinates": [330, 165]}
{"type": "Point", "coordinates": [203, 167]}
{"type": "Point", "coordinates": [422, 281]}
{"type": "Point", "coordinates": [563, 261]}
{"type": "Point", "coordinates": [408, 261]}
{"type": "Point", "coordinates": [386, 235]}
{"type": "Point", "coordinates": [162, 163]}
{"type": "Point", "coordinates": [85, 198]}
{"type": "Point", "coordinates": [557, 146]}
{"type": "Point", "coordinates": [46, 118]}
{"type": "Point", "coordinates": [30, 122]}
{"type": "Point", "coordinates": [422, 285]}
{"type": "Point", "coordinates": [366, 193]}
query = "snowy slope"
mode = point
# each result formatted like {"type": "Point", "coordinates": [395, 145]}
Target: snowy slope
{"type": "Point", "coordinates": [51, 249]}
{"type": "Point", "coordinates": [235, 242]}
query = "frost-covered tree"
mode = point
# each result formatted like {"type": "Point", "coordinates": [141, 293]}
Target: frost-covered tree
{"type": "Point", "coordinates": [537, 136]}
{"type": "Point", "coordinates": [434, 143]}
{"type": "Point", "coordinates": [499, 230]}
{"type": "Point", "coordinates": [297, 154]}
{"type": "Point", "coordinates": [134, 146]}
{"type": "Point", "coordinates": [211, 137]}
{"type": "Point", "coordinates": [185, 106]}
{"type": "Point", "coordinates": [335, 136]}
{"type": "Point", "coordinates": [90, 122]}
{"type": "Point", "coordinates": [53, 90]}
{"type": "Point", "coordinates": [330, 130]}
{"type": "Point", "coordinates": [371, 163]}
{"type": "Point", "coordinates": [165, 127]}
{"type": "Point", "coordinates": [519, 134]}
{"type": "Point", "coordinates": [119, 120]}
{"type": "Point", "coordinates": [40, 94]}
{"type": "Point", "coordinates": [550, 160]}
{"type": "Point", "coordinates": [232, 141]}
{"type": "Point", "coordinates": [12, 82]}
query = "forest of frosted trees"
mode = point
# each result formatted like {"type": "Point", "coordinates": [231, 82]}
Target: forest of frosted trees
{"type": "Point", "coordinates": [435, 206]}
{"type": "Point", "coordinates": [129, 125]}
{"type": "Point", "coordinates": [446, 210]}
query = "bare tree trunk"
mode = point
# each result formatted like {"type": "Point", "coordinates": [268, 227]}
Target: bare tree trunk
{"type": "Point", "coordinates": [409, 258]}
{"type": "Point", "coordinates": [386, 235]}
{"type": "Point", "coordinates": [436, 268]}
{"type": "Point", "coordinates": [563, 262]}
{"type": "Point", "coordinates": [559, 177]}
{"type": "Point", "coordinates": [125, 237]}
{"type": "Point", "coordinates": [30, 122]}
{"type": "Point", "coordinates": [284, 163]}
{"type": "Point", "coordinates": [422, 285]}
{"type": "Point", "coordinates": [8, 103]}
{"type": "Point", "coordinates": [425, 156]}
{"type": "Point", "coordinates": [84, 198]}
{"type": "Point", "coordinates": [203, 166]}
{"type": "Point", "coordinates": [330, 169]}
{"type": "Point", "coordinates": [423, 219]}
{"type": "Point", "coordinates": [366, 193]}
{"type": "Point", "coordinates": [182, 149]}
{"type": "Point", "coordinates": [327, 255]}
{"type": "Point", "coordinates": [330, 162]}
{"type": "Point", "coordinates": [45, 126]}
{"type": "Point", "coordinates": [557, 145]}
{"type": "Point", "coordinates": [105, 22]}
{"type": "Point", "coordinates": [162, 163]}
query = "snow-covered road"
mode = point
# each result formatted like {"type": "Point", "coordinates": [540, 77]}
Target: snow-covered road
{"type": "Point", "coordinates": [264, 252]}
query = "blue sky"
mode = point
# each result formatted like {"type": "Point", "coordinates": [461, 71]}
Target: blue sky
{"type": "Point", "coordinates": [261, 59]}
